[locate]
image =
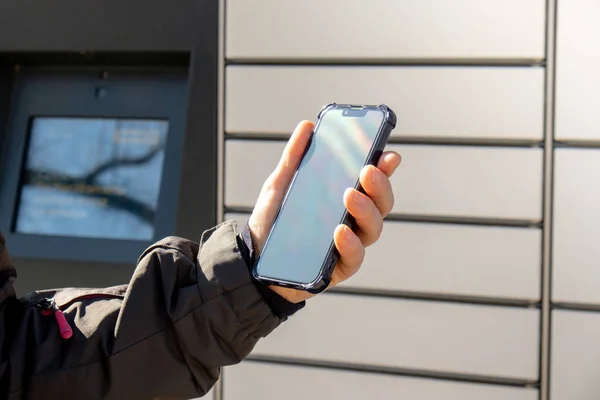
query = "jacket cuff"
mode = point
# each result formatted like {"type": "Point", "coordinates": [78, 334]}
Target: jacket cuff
{"type": "Point", "coordinates": [223, 279]}
{"type": "Point", "coordinates": [278, 304]}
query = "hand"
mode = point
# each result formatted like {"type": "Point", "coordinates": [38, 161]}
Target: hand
{"type": "Point", "coordinates": [368, 210]}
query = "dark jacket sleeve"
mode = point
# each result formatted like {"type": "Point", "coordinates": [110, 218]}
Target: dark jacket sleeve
{"type": "Point", "coordinates": [188, 310]}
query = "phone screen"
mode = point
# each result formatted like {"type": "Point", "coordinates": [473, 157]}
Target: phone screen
{"type": "Point", "coordinates": [303, 231]}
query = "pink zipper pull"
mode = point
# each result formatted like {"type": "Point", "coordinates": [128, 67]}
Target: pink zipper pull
{"type": "Point", "coordinates": [49, 307]}
{"type": "Point", "coordinates": [63, 326]}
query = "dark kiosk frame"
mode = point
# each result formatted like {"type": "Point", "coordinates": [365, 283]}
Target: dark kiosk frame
{"type": "Point", "coordinates": [174, 48]}
{"type": "Point", "coordinates": [66, 93]}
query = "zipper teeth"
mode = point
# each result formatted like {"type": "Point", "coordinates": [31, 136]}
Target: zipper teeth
{"type": "Point", "coordinates": [48, 305]}
{"type": "Point", "coordinates": [90, 296]}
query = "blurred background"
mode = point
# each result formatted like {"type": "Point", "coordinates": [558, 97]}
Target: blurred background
{"type": "Point", "coordinates": [485, 282]}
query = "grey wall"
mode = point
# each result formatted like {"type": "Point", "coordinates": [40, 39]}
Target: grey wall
{"type": "Point", "coordinates": [485, 282]}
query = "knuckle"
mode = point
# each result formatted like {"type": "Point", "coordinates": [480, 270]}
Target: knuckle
{"type": "Point", "coordinates": [361, 257]}
{"type": "Point", "coordinates": [269, 184]}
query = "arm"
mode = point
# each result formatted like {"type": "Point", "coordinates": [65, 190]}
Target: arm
{"type": "Point", "coordinates": [188, 311]}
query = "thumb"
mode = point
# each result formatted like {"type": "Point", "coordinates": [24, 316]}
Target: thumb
{"type": "Point", "coordinates": [276, 185]}
{"type": "Point", "coordinates": [292, 155]}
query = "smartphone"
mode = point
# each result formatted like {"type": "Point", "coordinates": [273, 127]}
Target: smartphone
{"type": "Point", "coordinates": [299, 251]}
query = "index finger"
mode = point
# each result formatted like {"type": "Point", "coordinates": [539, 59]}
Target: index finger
{"type": "Point", "coordinates": [388, 162]}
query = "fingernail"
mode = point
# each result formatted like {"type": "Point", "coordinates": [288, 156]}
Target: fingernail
{"type": "Point", "coordinates": [347, 234]}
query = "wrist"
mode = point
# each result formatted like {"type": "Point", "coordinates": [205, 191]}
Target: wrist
{"type": "Point", "coordinates": [291, 295]}
{"type": "Point", "coordinates": [282, 303]}
{"type": "Point", "coordinates": [251, 240]}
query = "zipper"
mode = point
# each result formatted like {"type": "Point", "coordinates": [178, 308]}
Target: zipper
{"type": "Point", "coordinates": [91, 296]}
{"type": "Point", "coordinates": [49, 307]}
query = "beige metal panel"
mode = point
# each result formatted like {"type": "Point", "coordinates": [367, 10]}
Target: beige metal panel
{"type": "Point", "coordinates": [575, 355]}
{"type": "Point", "coordinates": [450, 259]}
{"type": "Point", "coordinates": [577, 78]}
{"type": "Point", "coordinates": [576, 233]}
{"type": "Point", "coordinates": [484, 182]}
{"type": "Point", "coordinates": [433, 180]}
{"type": "Point", "coordinates": [493, 341]}
{"type": "Point", "coordinates": [241, 219]}
{"type": "Point", "coordinates": [247, 165]}
{"type": "Point", "coordinates": [454, 260]}
{"type": "Point", "coordinates": [431, 102]}
{"type": "Point", "coordinates": [384, 29]}
{"type": "Point", "coordinates": [272, 382]}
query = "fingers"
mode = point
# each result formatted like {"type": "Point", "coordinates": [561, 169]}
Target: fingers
{"type": "Point", "coordinates": [292, 154]}
{"type": "Point", "coordinates": [370, 209]}
{"type": "Point", "coordinates": [388, 162]}
{"type": "Point", "coordinates": [376, 183]}
{"type": "Point", "coordinates": [352, 253]}
{"type": "Point", "coordinates": [366, 214]}
{"type": "Point", "coordinates": [274, 188]}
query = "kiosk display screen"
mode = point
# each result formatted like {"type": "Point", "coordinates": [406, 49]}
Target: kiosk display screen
{"type": "Point", "coordinates": [91, 177]}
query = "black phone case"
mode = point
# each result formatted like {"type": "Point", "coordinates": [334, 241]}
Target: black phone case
{"type": "Point", "coordinates": [324, 278]}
